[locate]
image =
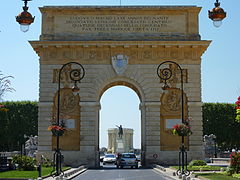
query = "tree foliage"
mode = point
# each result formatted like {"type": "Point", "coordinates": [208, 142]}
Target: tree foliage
{"type": "Point", "coordinates": [5, 85]}
{"type": "Point", "coordinates": [21, 118]}
{"type": "Point", "coordinates": [219, 119]}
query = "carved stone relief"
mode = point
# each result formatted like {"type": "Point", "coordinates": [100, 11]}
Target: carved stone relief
{"type": "Point", "coordinates": [69, 116]}
{"type": "Point", "coordinates": [174, 54]}
{"type": "Point", "coordinates": [172, 100]}
{"type": "Point", "coordinates": [65, 75]}
{"type": "Point", "coordinates": [171, 110]}
{"type": "Point", "coordinates": [79, 53]}
{"type": "Point", "coordinates": [69, 103]}
{"type": "Point", "coordinates": [147, 54]}
{"type": "Point", "coordinates": [101, 54]}
{"type": "Point", "coordinates": [176, 76]}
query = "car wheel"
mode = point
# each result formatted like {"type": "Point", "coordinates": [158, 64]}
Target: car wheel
{"type": "Point", "coordinates": [136, 167]}
{"type": "Point", "coordinates": [104, 163]}
{"type": "Point", "coordinates": [131, 167]}
{"type": "Point", "coordinates": [121, 167]}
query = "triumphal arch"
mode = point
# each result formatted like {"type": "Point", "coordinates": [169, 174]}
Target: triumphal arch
{"type": "Point", "coordinates": [120, 45]}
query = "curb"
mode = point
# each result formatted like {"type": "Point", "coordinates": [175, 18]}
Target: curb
{"type": "Point", "coordinates": [69, 174]}
{"type": "Point", "coordinates": [170, 173]}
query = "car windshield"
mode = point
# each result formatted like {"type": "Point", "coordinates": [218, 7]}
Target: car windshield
{"type": "Point", "coordinates": [109, 156]}
{"type": "Point", "coordinates": [128, 156]}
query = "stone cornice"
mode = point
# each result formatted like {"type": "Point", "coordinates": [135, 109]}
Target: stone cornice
{"type": "Point", "coordinates": [166, 44]}
{"type": "Point", "coordinates": [194, 45]}
{"type": "Point", "coordinates": [139, 52]}
{"type": "Point", "coordinates": [117, 8]}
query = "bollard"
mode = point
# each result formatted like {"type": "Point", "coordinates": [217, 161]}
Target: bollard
{"type": "Point", "coordinates": [39, 168]}
{"type": "Point", "coordinates": [184, 177]}
{"type": "Point", "coordinates": [192, 175]}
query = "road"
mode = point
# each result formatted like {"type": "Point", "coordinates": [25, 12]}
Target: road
{"type": "Point", "coordinates": [110, 172]}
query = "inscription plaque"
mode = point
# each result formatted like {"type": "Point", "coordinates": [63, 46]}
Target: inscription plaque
{"type": "Point", "coordinates": [120, 23]}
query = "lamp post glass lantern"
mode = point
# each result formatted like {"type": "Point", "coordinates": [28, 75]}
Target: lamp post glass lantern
{"type": "Point", "coordinates": [25, 18]}
{"type": "Point", "coordinates": [76, 75]}
{"type": "Point", "coordinates": [165, 75]}
{"type": "Point", "coordinates": [217, 14]}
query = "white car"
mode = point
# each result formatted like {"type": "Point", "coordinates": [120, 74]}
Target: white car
{"type": "Point", "coordinates": [109, 158]}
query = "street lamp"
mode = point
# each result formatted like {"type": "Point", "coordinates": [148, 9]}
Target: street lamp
{"type": "Point", "coordinates": [25, 18]}
{"type": "Point", "coordinates": [217, 14]}
{"type": "Point", "coordinates": [214, 138]}
{"type": "Point", "coordinates": [215, 146]}
{"type": "Point", "coordinates": [76, 75]}
{"type": "Point", "coordinates": [166, 74]}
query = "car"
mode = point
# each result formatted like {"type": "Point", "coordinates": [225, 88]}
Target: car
{"type": "Point", "coordinates": [138, 157]}
{"type": "Point", "coordinates": [127, 159]}
{"type": "Point", "coordinates": [109, 158]}
{"type": "Point", "coordinates": [101, 158]}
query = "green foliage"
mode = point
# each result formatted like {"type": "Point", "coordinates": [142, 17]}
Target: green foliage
{"type": "Point", "coordinates": [21, 119]}
{"type": "Point", "coordinates": [230, 171]}
{"type": "Point", "coordinates": [25, 163]}
{"type": "Point", "coordinates": [47, 162]}
{"type": "Point", "coordinates": [216, 176]}
{"type": "Point", "coordinates": [219, 119]}
{"type": "Point", "coordinates": [16, 174]}
{"type": "Point", "coordinates": [197, 163]}
{"type": "Point", "coordinates": [202, 168]}
{"type": "Point", "coordinates": [238, 115]}
{"type": "Point", "coordinates": [236, 176]}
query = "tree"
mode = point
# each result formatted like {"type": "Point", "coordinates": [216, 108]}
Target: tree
{"type": "Point", "coordinates": [219, 119]}
{"type": "Point", "coordinates": [5, 85]}
{"type": "Point", "coordinates": [20, 119]}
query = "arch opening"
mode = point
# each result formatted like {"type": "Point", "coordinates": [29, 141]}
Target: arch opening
{"type": "Point", "coordinates": [120, 106]}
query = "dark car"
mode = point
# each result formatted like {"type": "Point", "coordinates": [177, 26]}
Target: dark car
{"type": "Point", "coordinates": [127, 159]}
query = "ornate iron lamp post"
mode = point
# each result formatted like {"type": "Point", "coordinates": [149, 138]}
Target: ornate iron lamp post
{"type": "Point", "coordinates": [217, 14]}
{"type": "Point", "coordinates": [76, 75]}
{"type": "Point", "coordinates": [25, 18]}
{"type": "Point", "coordinates": [166, 74]}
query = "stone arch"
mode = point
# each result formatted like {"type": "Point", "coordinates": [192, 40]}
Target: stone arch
{"type": "Point", "coordinates": [122, 82]}
{"type": "Point", "coordinates": [135, 86]}
{"type": "Point", "coordinates": [145, 48]}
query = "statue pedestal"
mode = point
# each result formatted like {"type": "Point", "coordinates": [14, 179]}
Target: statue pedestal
{"type": "Point", "coordinates": [120, 146]}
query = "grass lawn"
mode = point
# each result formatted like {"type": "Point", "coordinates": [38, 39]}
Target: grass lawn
{"type": "Point", "coordinates": [216, 176]}
{"type": "Point", "coordinates": [203, 168]}
{"type": "Point", "coordinates": [27, 174]}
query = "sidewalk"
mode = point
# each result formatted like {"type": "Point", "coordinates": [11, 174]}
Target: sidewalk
{"type": "Point", "coordinates": [170, 173]}
{"type": "Point", "coordinates": [69, 174]}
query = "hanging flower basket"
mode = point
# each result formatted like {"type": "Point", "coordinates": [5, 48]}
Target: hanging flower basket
{"type": "Point", "coordinates": [3, 109]}
{"type": "Point", "coordinates": [57, 130]}
{"type": "Point", "coordinates": [181, 130]}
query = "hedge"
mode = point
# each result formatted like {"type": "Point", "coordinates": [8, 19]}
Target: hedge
{"type": "Point", "coordinates": [219, 119]}
{"type": "Point", "coordinates": [21, 118]}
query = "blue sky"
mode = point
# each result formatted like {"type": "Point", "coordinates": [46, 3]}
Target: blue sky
{"type": "Point", "coordinates": [220, 63]}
